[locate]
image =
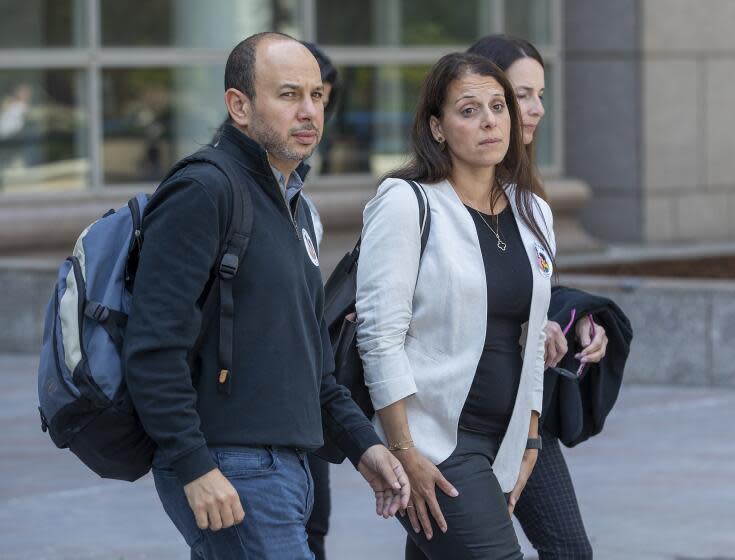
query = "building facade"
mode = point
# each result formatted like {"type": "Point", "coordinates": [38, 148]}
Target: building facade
{"type": "Point", "coordinates": [98, 98]}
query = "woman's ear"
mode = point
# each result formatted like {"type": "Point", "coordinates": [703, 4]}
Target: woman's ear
{"type": "Point", "coordinates": [239, 106]}
{"type": "Point", "coordinates": [436, 129]}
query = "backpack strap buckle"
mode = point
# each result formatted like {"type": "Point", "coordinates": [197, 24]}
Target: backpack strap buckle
{"type": "Point", "coordinates": [96, 311]}
{"type": "Point", "coordinates": [228, 266]}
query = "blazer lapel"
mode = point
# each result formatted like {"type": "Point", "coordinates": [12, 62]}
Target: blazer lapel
{"type": "Point", "coordinates": [541, 272]}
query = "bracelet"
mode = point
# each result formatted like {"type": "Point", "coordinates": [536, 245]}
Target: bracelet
{"type": "Point", "coordinates": [401, 445]}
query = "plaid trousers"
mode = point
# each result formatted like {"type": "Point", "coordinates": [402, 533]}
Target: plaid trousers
{"type": "Point", "coordinates": [548, 509]}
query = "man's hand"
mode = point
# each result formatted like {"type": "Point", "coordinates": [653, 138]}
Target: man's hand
{"type": "Point", "coordinates": [425, 477]}
{"type": "Point", "coordinates": [592, 338]}
{"type": "Point", "coordinates": [555, 345]}
{"type": "Point", "coordinates": [386, 477]}
{"type": "Point", "coordinates": [529, 461]}
{"type": "Point", "coordinates": [214, 501]}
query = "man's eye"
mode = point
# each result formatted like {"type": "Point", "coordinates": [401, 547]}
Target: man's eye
{"type": "Point", "coordinates": [288, 94]}
{"type": "Point", "coordinates": [318, 95]}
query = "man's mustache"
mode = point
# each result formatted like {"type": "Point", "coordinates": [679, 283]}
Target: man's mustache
{"type": "Point", "coordinates": [305, 128]}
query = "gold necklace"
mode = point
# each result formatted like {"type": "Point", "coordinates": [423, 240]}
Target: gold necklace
{"type": "Point", "coordinates": [501, 244]}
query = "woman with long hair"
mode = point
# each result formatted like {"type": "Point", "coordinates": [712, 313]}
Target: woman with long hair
{"type": "Point", "coordinates": [452, 339]}
{"type": "Point", "coordinates": [548, 509]}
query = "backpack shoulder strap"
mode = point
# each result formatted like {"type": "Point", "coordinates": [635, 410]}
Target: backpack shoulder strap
{"type": "Point", "coordinates": [424, 213]}
{"type": "Point", "coordinates": [232, 252]}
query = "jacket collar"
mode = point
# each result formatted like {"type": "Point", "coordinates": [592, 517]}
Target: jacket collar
{"type": "Point", "coordinates": [251, 154]}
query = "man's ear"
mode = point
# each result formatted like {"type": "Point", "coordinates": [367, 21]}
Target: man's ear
{"type": "Point", "coordinates": [239, 106]}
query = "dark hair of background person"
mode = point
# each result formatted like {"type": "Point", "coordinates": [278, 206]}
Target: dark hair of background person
{"type": "Point", "coordinates": [504, 50]}
{"type": "Point", "coordinates": [244, 62]}
{"type": "Point", "coordinates": [430, 162]}
{"type": "Point", "coordinates": [329, 76]}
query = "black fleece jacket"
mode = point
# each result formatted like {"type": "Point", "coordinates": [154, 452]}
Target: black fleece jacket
{"type": "Point", "coordinates": [575, 410]}
{"type": "Point", "coordinates": [282, 389]}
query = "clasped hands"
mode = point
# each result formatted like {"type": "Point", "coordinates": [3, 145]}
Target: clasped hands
{"type": "Point", "coordinates": [217, 505]}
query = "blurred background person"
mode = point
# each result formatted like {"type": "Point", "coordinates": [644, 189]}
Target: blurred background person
{"type": "Point", "coordinates": [547, 510]}
{"type": "Point", "coordinates": [14, 109]}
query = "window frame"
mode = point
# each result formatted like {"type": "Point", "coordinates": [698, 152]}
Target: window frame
{"type": "Point", "coordinates": [93, 58]}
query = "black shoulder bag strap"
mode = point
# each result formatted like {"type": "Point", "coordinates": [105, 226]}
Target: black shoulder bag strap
{"type": "Point", "coordinates": [333, 293]}
{"type": "Point", "coordinates": [231, 254]}
{"type": "Point", "coordinates": [424, 213]}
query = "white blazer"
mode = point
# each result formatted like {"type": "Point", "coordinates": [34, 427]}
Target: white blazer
{"type": "Point", "coordinates": [421, 329]}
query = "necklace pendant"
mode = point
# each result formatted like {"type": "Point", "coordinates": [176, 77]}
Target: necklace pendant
{"type": "Point", "coordinates": [502, 245]}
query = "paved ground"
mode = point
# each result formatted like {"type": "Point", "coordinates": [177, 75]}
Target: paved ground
{"type": "Point", "coordinates": [658, 484]}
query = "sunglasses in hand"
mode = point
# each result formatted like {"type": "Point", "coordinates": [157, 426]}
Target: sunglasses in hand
{"type": "Point", "coordinates": [582, 369]}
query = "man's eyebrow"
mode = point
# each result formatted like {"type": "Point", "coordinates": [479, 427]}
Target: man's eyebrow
{"type": "Point", "coordinates": [287, 85]}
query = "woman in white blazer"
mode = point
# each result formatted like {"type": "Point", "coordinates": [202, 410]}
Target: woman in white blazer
{"type": "Point", "coordinates": [452, 342]}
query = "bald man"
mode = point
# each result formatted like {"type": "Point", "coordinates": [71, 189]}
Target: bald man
{"type": "Point", "coordinates": [231, 468]}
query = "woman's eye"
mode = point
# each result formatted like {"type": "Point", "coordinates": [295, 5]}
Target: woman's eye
{"type": "Point", "coordinates": [467, 111]}
{"type": "Point", "coordinates": [498, 107]}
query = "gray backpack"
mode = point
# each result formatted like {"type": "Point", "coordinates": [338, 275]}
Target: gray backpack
{"type": "Point", "coordinates": [84, 402]}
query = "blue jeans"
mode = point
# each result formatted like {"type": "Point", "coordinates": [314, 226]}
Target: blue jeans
{"type": "Point", "coordinates": [277, 494]}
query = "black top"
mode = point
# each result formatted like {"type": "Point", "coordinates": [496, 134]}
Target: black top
{"type": "Point", "coordinates": [492, 396]}
{"type": "Point", "coordinates": [282, 383]}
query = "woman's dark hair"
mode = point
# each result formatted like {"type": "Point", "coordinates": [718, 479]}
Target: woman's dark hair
{"type": "Point", "coordinates": [504, 50]}
{"type": "Point", "coordinates": [329, 76]}
{"type": "Point", "coordinates": [430, 162]}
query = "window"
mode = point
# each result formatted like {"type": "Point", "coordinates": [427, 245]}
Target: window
{"type": "Point", "coordinates": [101, 93]}
{"type": "Point", "coordinates": [369, 133]}
{"type": "Point", "coordinates": [43, 130]}
{"type": "Point", "coordinates": [400, 22]}
{"type": "Point", "coordinates": [34, 24]}
{"type": "Point", "coordinates": [214, 24]}
{"type": "Point", "coordinates": [153, 116]}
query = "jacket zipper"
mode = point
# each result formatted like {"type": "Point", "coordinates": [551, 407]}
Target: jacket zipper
{"type": "Point", "coordinates": [288, 210]}
{"type": "Point", "coordinates": [136, 217]}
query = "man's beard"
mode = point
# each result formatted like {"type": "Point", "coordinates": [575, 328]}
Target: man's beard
{"type": "Point", "coordinates": [276, 145]}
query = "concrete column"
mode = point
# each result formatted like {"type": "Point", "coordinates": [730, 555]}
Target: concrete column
{"type": "Point", "coordinates": [387, 130]}
{"type": "Point", "coordinates": [603, 113]}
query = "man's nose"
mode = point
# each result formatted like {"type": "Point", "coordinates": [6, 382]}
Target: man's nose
{"type": "Point", "coordinates": [309, 109]}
